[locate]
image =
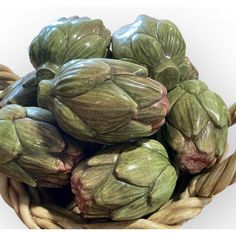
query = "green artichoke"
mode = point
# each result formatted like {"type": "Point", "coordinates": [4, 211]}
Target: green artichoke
{"type": "Point", "coordinates": [156, 44]}
{"type": "Point", "coordinates": [65, 40]}
{"type": "Point", "coordinates": [22, 92]}
{"type": "Point", "coordinates": [124, 182]}
{"type": "Point", "coordinates": [105, 100]}
{"type": "Point", "coordinates": [197, 125]}
{"type": "Point", "coordinates": [32, 148]}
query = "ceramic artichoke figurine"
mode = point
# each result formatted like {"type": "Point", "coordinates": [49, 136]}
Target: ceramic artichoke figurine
{"type": "Point", "coordinates": [156, 44]}
{"type": "Point", "coordinates": [32, 148]}
{"type": "Point", "coordinates": [197, 125]}
{"type": "Point", "coordinates": [124, 182]}
{"type": "Point", "coordinates": [105, 100]}
{"type": "Point", "coordinates": [22, 92]}
{"type": "Point", "coordinates": [65, 40]}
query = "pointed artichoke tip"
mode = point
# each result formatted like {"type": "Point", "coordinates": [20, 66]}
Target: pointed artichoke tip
{"type": "Point", "coordinates": [31, 182]}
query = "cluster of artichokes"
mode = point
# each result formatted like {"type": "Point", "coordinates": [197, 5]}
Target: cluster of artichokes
{"type": "Point", "coordinates": [116, 117]}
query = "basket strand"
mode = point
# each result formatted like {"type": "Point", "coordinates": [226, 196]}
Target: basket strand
{"type": "Point", "coordinates": [7, 76]}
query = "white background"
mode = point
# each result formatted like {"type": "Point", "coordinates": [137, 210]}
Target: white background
{"type": "Point", "coordinates": [210, 35]}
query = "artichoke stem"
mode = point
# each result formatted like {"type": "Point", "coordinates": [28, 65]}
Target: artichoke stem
{"type": "Point", "coordinates": [167, 73]}
{"type": "Point", "coordinates": [46, 71]}
{"type": "Point", "coordinates": [44, 99]}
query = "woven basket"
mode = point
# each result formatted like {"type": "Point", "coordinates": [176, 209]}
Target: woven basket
{"type": "Point", "coordinates": [37, 211]}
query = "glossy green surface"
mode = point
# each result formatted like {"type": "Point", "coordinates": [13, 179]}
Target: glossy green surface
{"type": "Point", "coordinates": [157, 45]}
{"type": "Point", "coordinates": [124, 182]}
{"type": "Point", "coordinates": [22, 92]}
{"type": "Point", "coordinates": [65, 40]}
{"type": "Point", "coordinates": [187, 70]}
{"type": "Point", "coordinates": [32, 149]}
{"type": "Point", "coordinates": [196, 126]}
{"type": "Point", "coordinates": [105, 100]}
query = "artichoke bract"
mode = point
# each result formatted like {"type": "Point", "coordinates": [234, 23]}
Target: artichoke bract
{"type": "Point", "coordinates": [105, 100]}
{"type": "Point", "coordinates": [65, 40]}
{"type": "Point", "coordinates": [22, 92]}
{"type": "Point", "coordinates": [196, 127]}
{"type": "Point", "coordinates": [156, 44]}
{"type": "Point", "coordinates": [124, 182]}
{"type": "Point", "coordinates": [33, 150]}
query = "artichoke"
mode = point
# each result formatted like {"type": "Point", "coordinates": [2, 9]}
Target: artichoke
{"type": "Point", "coordinates": [22, 92]}
{"type": "Point", "coordinates": [67, 39]}
{"type": "Point", "coordinates": [156, 44]}
{"type": "Point", "coordinates": [197, 126]}
{"type": "Point", "coordinates": [124, 182]}
{"type": "Point", "coordinates": [104, 100]}
{"type": "Point", "coordinates": [32, 148]}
